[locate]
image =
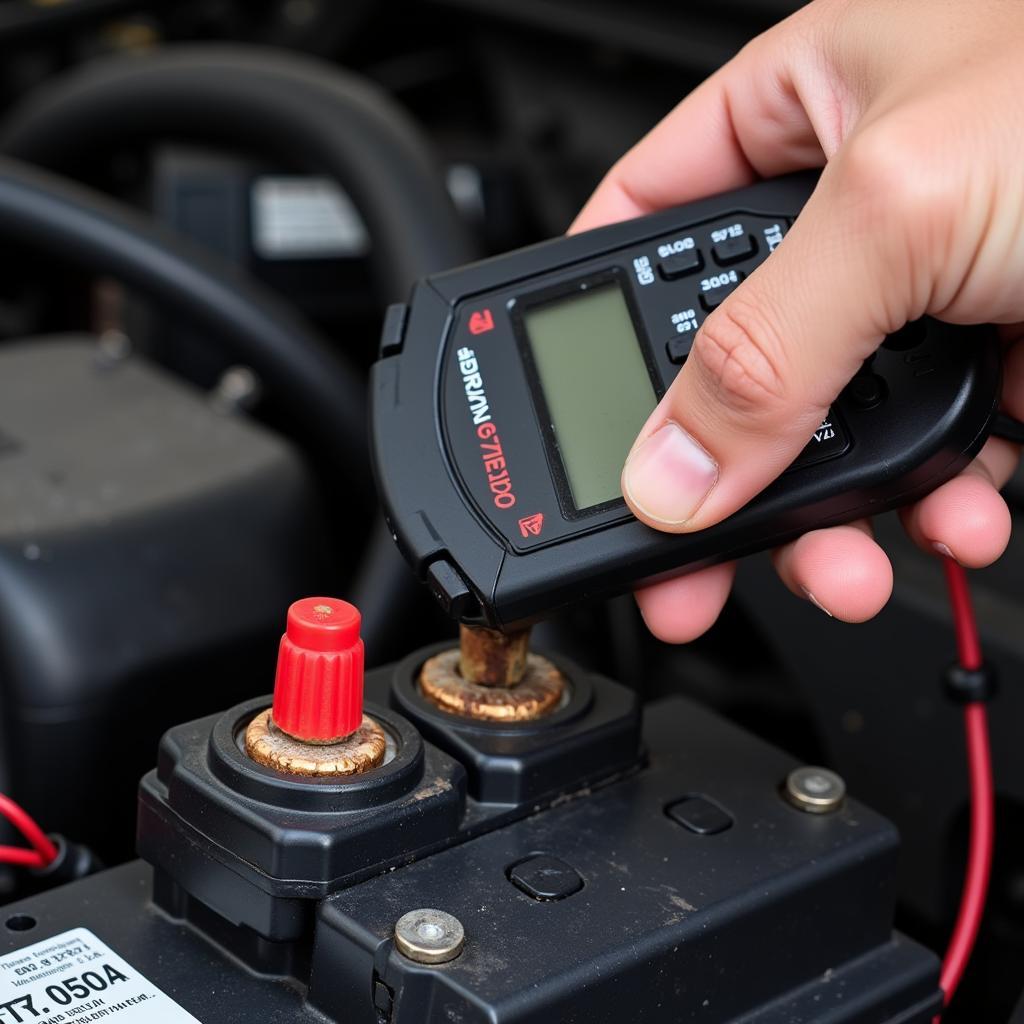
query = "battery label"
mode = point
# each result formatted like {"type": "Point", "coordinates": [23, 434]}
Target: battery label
{"type": "Point", "coordinates": [74, 978]}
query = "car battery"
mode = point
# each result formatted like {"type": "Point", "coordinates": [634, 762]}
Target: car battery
{"type": "Point", "coordinates": [591, 864]}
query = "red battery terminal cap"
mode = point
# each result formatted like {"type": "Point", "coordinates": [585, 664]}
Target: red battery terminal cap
{"type": "Point", "coordinates": [318, 692]}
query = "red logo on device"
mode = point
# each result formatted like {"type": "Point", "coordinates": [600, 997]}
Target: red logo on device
{"type": "Point", "coordinates": [530, 526]}
{"type": "Point", "coordinates": [481, 321]}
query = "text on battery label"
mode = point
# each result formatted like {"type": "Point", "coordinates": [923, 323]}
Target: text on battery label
{"type": "Point", "coordinates": [75, 978]}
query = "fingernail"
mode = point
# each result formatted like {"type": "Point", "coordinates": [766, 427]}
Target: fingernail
{"type": "Point", "coordinates": [943, 550]}
{"type": "Point", "coordinates": [817, 604]}
{"type": "Point", "coordinates": [669, 475]}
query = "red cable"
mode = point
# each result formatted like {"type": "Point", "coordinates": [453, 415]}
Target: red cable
{"type": "Point", "coordinates": [21, 857]}
{"type": "Point", "coordinates": [41, 844]}
{"type": "Point", "coordinates": [979, 765]}
{"type": "Point", "coordinates": [967, 643]}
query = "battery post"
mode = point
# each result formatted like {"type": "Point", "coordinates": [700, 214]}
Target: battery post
{"type": "Point", "coordinates": [493, 677]}
{"type": "Point", "coordinates": [316, 726]}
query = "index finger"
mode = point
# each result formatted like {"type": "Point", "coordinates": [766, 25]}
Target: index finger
{"type": "Point", "coordinates": [746, 121]}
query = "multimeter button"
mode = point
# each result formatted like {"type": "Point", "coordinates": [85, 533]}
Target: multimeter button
{"type": "Point", "coordinates": [678, 348]}
{"type": "Point", "coordinates": [714, 297]}
{"type": "Point", "coordinates": [699, 815]}
{"type": "Point", "coordinates": [732, 250]}
{"type": "Point", "coordinates": [449, 588]}
{"type": "Point", "coordinates": [392, 335]}
{"type": "Point", "coordinates": [828, 441]}
{"type": "Point", "coordinates": [866, 390]}
{"type": "Point", "coordinates": [680, 264]}
{"type": "Point", "coordinates": [907, 337]}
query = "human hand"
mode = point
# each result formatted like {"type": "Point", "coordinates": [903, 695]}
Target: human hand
{"type": "Point", "coordinates": [915, 111]}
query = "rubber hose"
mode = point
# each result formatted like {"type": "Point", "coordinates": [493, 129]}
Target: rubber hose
{"type": "Point", "coordinates": [48, 213]}
{"type": "Point", "coordinates": [302, 111]}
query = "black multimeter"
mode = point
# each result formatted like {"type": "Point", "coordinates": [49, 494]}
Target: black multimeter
{"type": "Point", "coordinates": [510, 391]}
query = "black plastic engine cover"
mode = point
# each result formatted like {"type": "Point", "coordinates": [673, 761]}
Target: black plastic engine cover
{"type": "Point", "coordinates": [131, 510]}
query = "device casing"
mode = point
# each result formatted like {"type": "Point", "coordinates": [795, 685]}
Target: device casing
{"type": "Point", "coordinates": [929, 413]}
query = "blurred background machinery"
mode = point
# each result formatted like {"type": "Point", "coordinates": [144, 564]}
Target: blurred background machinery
{"type": "Point", "coordinates": [182, 449]}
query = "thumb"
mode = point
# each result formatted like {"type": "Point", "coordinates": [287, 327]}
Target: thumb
{"type": "Point", "coordinates": [767, 363]}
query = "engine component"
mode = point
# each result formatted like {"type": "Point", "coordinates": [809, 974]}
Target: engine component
{"type": "Point", "coordinates": [129, 511]}
{"type": "Point", "coordinates": [256, 845]}
{"type": "Point", "coordinates": [254, 99]}
{"type": "Point", "coordinates": [492, 676]}
{"type": "Point", "coordinates": [675, 886]}
{"type": "Point", "coordinates": [316, 726]}
{"type": "Point", "coordinates": [318, 689]}
{"type": "Point", "coordinates": [264, 101]}
{"type": "Point", "coordinates": [490, 658]}
{"type": "Point", "coordinates": [537, 693]}
{"type": "Point", "coordinates": [359, 751]}
{"type": "Point", "coordinates": [429, 936]}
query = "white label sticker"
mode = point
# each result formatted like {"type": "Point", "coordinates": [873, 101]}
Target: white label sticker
{"type": "Point", "coordinates": [76, 979]}
{"type": "Point", "coordinates": [305, 218]}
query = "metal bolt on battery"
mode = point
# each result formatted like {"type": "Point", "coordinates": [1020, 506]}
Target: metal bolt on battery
{"type": "Point", "coordinates": [429, 936]}
{"type": "Point", "coordinates": [814, 790]}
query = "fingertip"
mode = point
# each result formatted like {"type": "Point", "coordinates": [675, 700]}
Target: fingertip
{"type": "Point", "coordinates": [679, 610]}
{"type": "Point", "coordinates": [967, 518]}
{"type": "Point", "coordinates": [841, 570]}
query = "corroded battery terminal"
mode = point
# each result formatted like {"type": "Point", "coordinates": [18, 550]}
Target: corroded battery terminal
{"type": "Point", "coordinates": [492, 677]}
{"type": "Point", "coordinates": [316, 726]}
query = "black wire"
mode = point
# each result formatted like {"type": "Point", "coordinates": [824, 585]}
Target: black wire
{"type": "Point", "coordinates": [1008, 428]}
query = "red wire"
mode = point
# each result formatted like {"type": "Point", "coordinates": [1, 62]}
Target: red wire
{"type": "Point", "coordinates": [21, 857]}
{"type": "Point", "coordinates": [40, 842]}
{"type": "Point", "coordinates": [967, 643]}
{"type": "Point", "coordinates": [979, 765]}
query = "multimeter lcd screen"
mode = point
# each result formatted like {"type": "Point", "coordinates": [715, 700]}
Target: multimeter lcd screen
{"type": "Point", "coordinates": [596, 384]}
